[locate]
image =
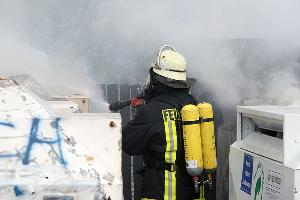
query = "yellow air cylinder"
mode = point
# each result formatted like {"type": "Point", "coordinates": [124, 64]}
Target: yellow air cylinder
{"type": "Point", "coordinates": [208, 137]}
{"type": "Point", "coordinates": [192, 139]}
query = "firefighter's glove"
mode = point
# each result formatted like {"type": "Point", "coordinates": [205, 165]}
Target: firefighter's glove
{"type": "Point", "coordinates": [135, 104]}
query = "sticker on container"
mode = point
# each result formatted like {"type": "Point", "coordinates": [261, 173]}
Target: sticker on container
{"type": "Point", "coordinates": [246, 181]}
{"type": "Point", "coordinates": [191, 164]}
{"type": "Point", "coordinates": [259, 177]}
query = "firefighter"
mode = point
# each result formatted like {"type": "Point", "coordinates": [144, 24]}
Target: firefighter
{"type": "Point", "coordinates": [156, 131]}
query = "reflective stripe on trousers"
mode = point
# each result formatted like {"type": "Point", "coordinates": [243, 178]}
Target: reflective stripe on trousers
{"type": "Point", "coordinates": [202, 190]}
{"type": "Point", "coordinates": [170, 157]}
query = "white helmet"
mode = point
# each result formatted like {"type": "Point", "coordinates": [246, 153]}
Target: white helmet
{"type": "Point", "coordinates": [170, 64]}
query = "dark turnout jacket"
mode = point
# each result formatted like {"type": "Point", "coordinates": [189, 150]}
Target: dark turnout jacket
{"type": "Point", "coordinates": [156, 133]}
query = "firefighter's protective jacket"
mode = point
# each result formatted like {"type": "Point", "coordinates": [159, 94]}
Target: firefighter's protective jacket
{"type": "Point", "coordinates": [156, 133]}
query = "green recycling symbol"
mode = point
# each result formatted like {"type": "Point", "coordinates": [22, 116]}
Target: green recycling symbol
{"type": "Point", "coordinates": [259, 181]}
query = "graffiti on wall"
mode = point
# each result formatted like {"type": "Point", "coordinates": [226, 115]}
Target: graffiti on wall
{"type": "Point", "coordinates": [34, 138]}
{"type": "Point", "coordinates": [8, 124]}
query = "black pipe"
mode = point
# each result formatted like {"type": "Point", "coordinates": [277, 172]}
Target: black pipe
{"type": "Point", "coordinates": [115, 106]}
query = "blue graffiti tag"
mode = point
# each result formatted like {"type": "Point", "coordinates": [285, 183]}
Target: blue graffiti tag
{"type": "Point", "coordinates": [8, 124]}
{"type": "Point", "coordinates": [8, 155]}
{"type": "Point", "coordinates": [33, 139]}
{"type": "Point", "coordinates": [18, 191]}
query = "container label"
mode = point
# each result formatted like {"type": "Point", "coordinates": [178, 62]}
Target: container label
{"type": "Point", "coordinates": [191, 164]}
{"type": "Point", "coordinates": [246, 182]}
{"type": "Point", "coordinates": [259, 177]}
{"type": "Point", "coordinates": [273, 185]}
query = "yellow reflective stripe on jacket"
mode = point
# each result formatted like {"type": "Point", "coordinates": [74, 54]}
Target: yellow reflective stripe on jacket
{"type": "Point", "coordinates": [170, 154]}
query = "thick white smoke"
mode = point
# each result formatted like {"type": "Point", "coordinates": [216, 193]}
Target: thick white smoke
{"type": "Point", "coordinates": [234, 70]}
{"type": "Point", "coordinates": [236, 49]}
{"type": "Point", "coordinates": [28, 48]}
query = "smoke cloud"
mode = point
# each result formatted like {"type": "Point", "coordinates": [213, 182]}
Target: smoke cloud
{"type": "Point", "coordinates": [236, 49]}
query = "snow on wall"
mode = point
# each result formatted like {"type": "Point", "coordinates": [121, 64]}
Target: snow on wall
{"type": "Point", "coordinates": [72, 156]}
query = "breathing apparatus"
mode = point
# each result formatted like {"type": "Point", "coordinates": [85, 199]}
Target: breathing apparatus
{"type": "Point", "coordinates": [199, 142]}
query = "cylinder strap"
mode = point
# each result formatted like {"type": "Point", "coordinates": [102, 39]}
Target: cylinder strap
{"type": "Point", "coordinates": [191, 122]}
{"type": "Point", "coordinates": [201, 120]}
{"type": "Point", "coordinates": [207, 120]}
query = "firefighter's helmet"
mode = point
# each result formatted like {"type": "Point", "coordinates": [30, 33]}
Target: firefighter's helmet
{"type": "Point", "coordinates": [170, 67]}
{"type": "Point", "coordinates": [170, 64]}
